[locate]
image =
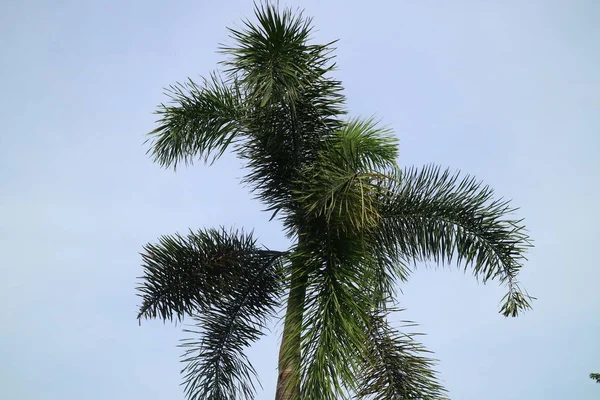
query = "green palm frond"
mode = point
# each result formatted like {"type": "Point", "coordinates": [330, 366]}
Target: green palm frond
{"type": "Point", "coordinates": [344, 184]}
{"type": "Point", "coordinates": [292, 104]}
{"type": "Point", "coordinates": [435, 214]}
{"type": "Point", "coordinates": [361, 145]}
{"type": "Point", "coordinates": [339, 299]}
{"type": "Point", "coordinates": [396, 366]}
{"type": "Point", "coordinates": [217, 368]}
{"type": "Point", "coordinates": [389, 269]}
{"type": "Point", "coordinates": [201, 122]}
{"type": "Point", "coordinates": [186, 275]}
{"type": "Point", "coordinates": [274, 59]}
{"type": "Point", "coordinates": [595, 376]}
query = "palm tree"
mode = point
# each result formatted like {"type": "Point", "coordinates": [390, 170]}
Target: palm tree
{"type": "Point", "coordinates": [357, 223]}
{"type": "Point", "coordinates": [595, 376]}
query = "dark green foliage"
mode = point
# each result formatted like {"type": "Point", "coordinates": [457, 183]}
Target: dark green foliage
{"type": "Point", "coordinates": [293, 105]}
{"type": "Point", "coordinates": [359, 223]}
{"type": "Point", "coordinates": [395, 366]}
{"type": "Point", "coordinates": [186, 274]}
{"type": "Point", "coordinates": [435, 214]}
{"type": "Point", "coordinates": [230, 287]}
{"type": "Point", "coordinates": [216, 365]}
{"type": "Point", "coordinates": [203, 120]}
{"type": "Point", "coordinates": [595, 376]}
{"type": "Point", "coordinates": [338, 303]}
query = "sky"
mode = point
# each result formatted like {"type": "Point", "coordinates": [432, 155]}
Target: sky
{"type": "Point", "coordinates": [508, 91]}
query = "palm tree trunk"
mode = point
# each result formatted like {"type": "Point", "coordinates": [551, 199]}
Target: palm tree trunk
{"type": "Point", "coordinates": [288, 382]}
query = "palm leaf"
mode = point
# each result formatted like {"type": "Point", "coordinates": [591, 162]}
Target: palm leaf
{"type": "Point", "coordinates": [343, 185]}
{"type": "Point", "coordinates": [217, 368]}
{"type": "Point", "coordinates": [185, 275]}
{"type": "Point", "coordinates": [396, 366]}
{"type": "Point", "coordinates": [201, 122]}
{"type": "Point", "coordinates": [339, 298]}
{"type": "Point", "coordinates": [431, 213]}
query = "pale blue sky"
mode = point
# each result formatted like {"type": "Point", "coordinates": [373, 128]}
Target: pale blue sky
{"type": "Point", "coordinates": [505, 90]}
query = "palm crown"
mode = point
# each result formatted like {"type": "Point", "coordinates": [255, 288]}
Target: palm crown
{"type": "Point", "coordinates": [357, 221]}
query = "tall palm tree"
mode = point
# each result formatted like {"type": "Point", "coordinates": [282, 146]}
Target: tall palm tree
{"type": "Point", "coordinates": [357, 223]}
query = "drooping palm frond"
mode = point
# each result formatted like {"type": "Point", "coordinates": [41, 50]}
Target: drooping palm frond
{"type": "Point", "coordinates": [339, 196]}
{"type": "Point", "coordinates": [201, 122]}
{"type": "Point", "coordinates": [595, 376]}
{"type": "Point", "coordinates": [336, 314]}
{"type": "Point", "coordinates": [344, 284]}
{"type": "Point", "coordinates": [432, 213]}
{"type": "Point", "coordinates": [230, 286]}
{"type": "Point", "coordinates": [186, 275]}
{"type": "Point", "coordinates": [217, 368]}
{"type": "Point", "coordinates": [396, 366]}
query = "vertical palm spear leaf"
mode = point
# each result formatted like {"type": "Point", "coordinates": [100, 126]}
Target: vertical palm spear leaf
{"type": "Point", "coordinates": [358, 221]}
